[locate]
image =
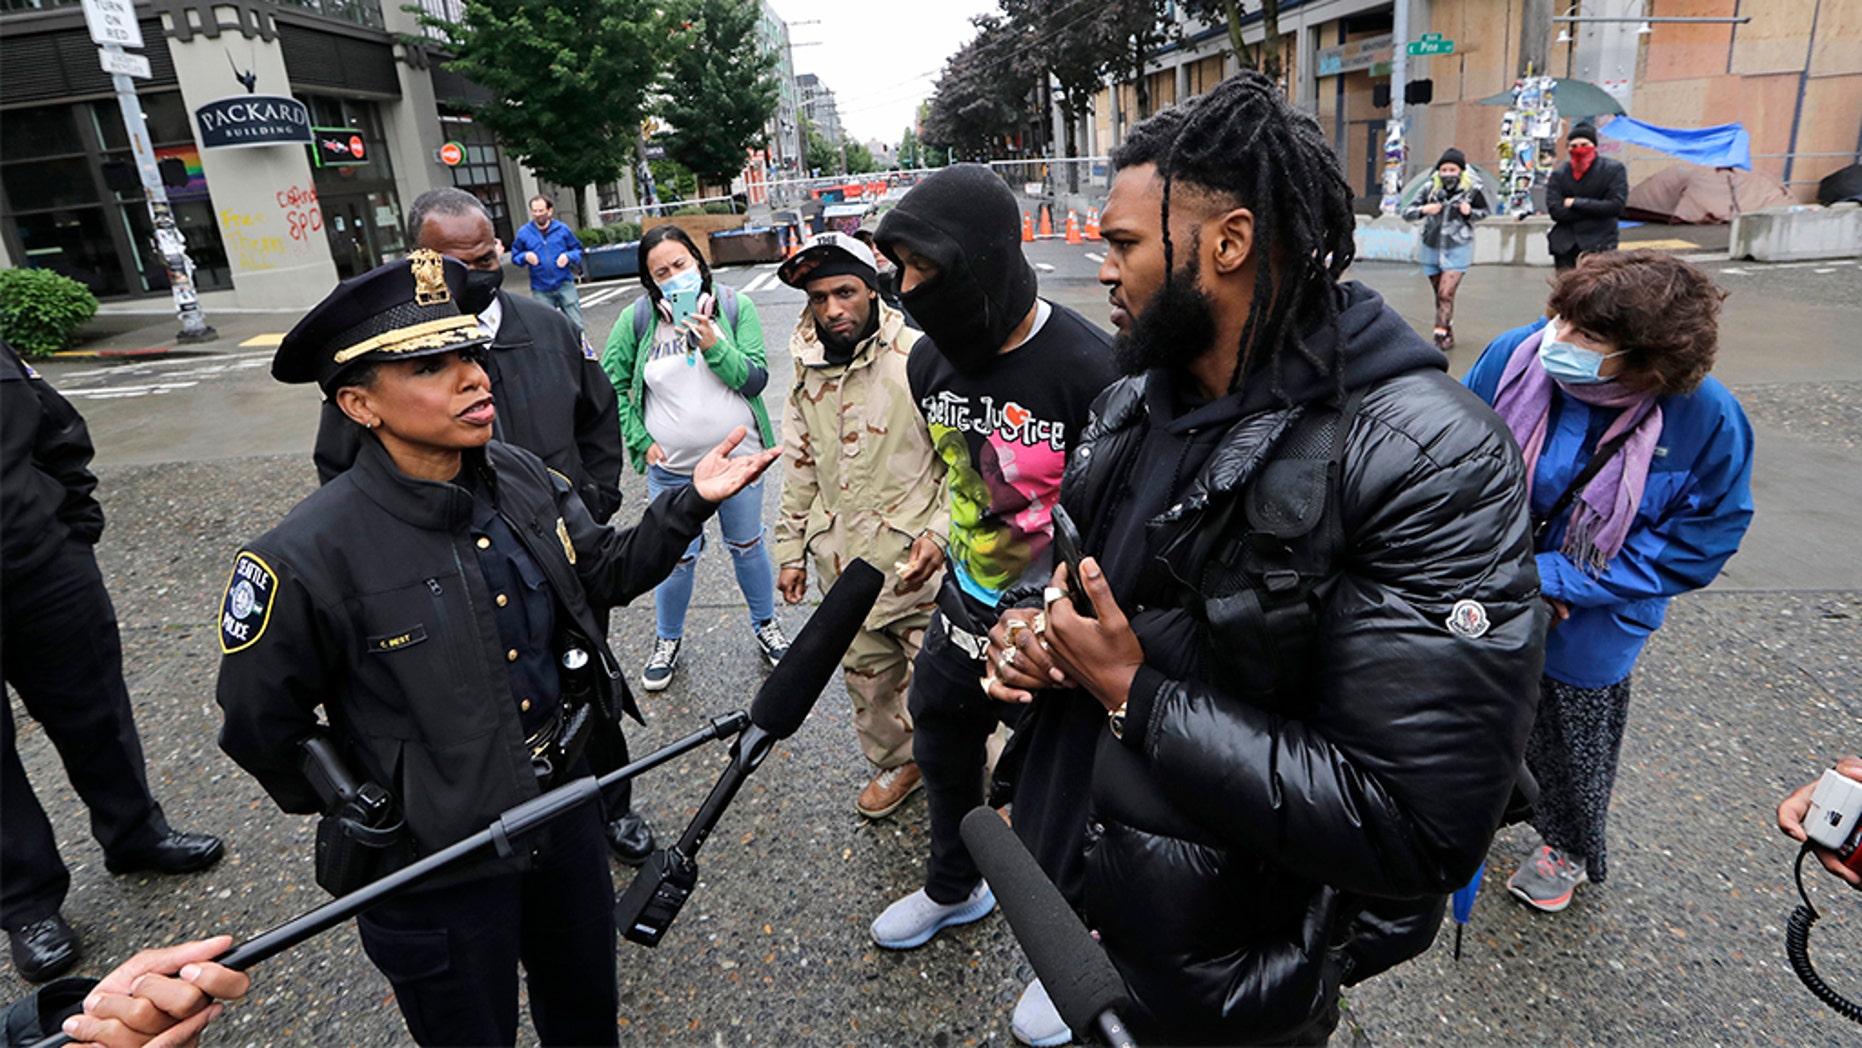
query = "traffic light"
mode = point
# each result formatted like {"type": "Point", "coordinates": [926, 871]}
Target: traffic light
{"type": "Point", "coordinates": [174, 172]}
{"type": "Point", "coordinates": [1418, 92]}
{"type": "Point", "coordinates": [1380, 95]}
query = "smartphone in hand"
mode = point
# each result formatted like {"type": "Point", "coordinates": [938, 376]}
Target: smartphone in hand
{"type": "Point", "coordinates": [684, 305]}
{"type": "Point", "coordinates": [1067, 549]}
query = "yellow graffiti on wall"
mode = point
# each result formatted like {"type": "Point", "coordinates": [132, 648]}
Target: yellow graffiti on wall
{"type": "Point", "coordinates": [246, 245]}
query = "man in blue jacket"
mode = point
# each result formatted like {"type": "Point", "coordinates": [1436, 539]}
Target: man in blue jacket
{"type": "Point", "coordinates": [551, 252]}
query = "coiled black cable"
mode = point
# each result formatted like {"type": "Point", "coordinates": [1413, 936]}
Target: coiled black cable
{"type": "Point", "coordinates": [1797, 950]}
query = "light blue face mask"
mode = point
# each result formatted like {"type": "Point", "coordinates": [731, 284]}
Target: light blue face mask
{"type": "Point", "coordinates": [1571, 364]}
{"type": "Point", "coordinates": [684, 280]}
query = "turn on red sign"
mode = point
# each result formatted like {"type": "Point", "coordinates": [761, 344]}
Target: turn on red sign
{"type": "Point", "coordinates": [113, 22]}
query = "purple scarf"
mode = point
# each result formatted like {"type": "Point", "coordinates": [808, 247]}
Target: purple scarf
{"type": "Point", "coordinates": [1602, 514]}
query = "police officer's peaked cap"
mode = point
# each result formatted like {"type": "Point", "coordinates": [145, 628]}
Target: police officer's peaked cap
{"type": "Point", "coordinates": [402, 310]}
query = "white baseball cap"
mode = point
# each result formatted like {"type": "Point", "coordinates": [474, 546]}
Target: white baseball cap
{"type": "Point", "coordinates": [838, 252]}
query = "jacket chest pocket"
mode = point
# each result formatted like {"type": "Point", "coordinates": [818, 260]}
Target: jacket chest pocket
{"type": "Point", "coordinates": [1259, 640]}
{"type": "Point", "coordinates": [417, 645]}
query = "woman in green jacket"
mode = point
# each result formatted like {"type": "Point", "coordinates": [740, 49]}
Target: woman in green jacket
{"type": "Point", "coordinates": [678, 383]}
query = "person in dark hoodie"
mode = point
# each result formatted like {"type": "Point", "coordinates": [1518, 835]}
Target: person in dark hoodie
{"type": "Point", "coordinates": [1585, 197]}
{"type": "Point", "coordinates": [1004, 379]}
{"type": "Point", "coordinates": [1303, 701]}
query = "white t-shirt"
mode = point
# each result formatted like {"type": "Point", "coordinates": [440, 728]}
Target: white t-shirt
{"type": "Point", "coordinates": [689, 409]}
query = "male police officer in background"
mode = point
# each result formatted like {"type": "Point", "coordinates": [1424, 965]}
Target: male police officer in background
{"type": "Point", "coordinates": [64, 657]}
{"type": "Point", "coordinates": [553, 401]}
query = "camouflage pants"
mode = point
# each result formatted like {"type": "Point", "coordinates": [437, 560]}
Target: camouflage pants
{"type": "Point", "coordinates": [878, 672]}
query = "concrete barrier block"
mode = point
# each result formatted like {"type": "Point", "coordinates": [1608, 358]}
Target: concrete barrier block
{"type": "Point", "coordinates": [1504, 241]}
{"type": "Point", "coordinates": [1800, 233]}
{"type": "Point", "coordinates": [1388, 238]}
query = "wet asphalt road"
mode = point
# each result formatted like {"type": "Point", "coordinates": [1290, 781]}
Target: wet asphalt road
{"type": "Point", "coordinates": [1750, 688]}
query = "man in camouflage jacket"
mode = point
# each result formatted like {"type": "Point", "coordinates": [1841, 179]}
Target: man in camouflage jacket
{"type": "Point", "coordinates": [861, 479]}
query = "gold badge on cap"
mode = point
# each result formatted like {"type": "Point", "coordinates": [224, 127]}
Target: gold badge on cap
{"type": "Point", "coordinates": [429, 278]}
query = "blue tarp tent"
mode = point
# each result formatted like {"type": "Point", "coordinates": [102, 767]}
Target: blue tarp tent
{"type": "Point", "coordinates": [1725, 146]}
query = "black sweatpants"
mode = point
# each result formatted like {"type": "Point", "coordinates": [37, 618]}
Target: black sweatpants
{"type": "Point", "coordinates": [452, 952]}
{"type": "Point", "coordinates": [60, 650]}
{"type": "Point", "coordinates": [952, 720]}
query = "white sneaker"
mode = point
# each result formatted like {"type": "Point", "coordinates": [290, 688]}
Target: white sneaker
{"type": "Point", "coordinates": [1037, 1022]}
{"type": "Point", "coordinates": [913, 920]}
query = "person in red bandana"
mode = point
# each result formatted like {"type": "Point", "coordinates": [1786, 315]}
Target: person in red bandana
{"type": "Point", "coordinates": [1585, 197]}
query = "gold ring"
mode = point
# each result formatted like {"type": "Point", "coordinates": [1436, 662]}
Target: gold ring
{"type": "Point", "coordinates": [1052, 594]}
{"type": "Point", "coordinates": [1008, 658]}
{"type": "Point", "coordinates": [1015, 629]}
{"type": "Point", "coordinates": [1040, 624]}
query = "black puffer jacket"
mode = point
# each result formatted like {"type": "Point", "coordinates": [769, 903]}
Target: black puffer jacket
{"type": "Point", "coordinates": [1264, 793]}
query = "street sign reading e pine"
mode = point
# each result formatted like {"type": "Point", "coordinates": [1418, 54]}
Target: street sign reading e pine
{"type": "Point", "coordinates": [1430, 44]}
{"type": "Point", "coordinates": [113, 22]}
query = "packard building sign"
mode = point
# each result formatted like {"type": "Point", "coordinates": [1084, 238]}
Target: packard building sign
{"type": "Point", "coordinates": [253, 120]}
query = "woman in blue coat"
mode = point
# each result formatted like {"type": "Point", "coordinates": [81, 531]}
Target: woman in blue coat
{"type": "Point", "coordinates": [1613, 385]}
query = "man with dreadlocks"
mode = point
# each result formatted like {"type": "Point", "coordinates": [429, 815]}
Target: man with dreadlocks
{"type": "Point", "coordinates": [1303, 700]}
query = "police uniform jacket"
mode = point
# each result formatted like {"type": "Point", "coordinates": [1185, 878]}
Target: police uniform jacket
{"type": "Point", "coordinates": [554, 401]}
{"type": "Point", "coordinates": [45, 480]}
{"type": "Point", "coordinates": [367, 599]}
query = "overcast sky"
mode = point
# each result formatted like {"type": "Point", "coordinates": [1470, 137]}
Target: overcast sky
{"type": "Point", "coordinates": [879, 57]}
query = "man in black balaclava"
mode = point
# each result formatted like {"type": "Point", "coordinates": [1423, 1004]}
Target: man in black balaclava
{"type": "Point", "coordinates": [1005, 381]}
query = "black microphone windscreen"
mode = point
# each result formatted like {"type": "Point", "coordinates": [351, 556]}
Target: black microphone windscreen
{"type": "Point", "coordinates": [1074, 968]}
{"type": "Point", "coordinates": [783, 702]}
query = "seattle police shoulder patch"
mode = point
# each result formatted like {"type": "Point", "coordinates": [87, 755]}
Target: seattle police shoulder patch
{"type": "Point", "coordinates": [588, 350]}
{"type": "Point", "coordinates": [247, 606]}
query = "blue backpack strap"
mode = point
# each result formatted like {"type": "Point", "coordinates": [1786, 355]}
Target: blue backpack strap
{"type": "Point", "coordinates": [727, 304]}
{"type": "Point", "coordinates": [643, 317]}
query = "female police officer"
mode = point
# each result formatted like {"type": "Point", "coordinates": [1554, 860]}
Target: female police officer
{"type": "Point", "coordinates": [425, 599]}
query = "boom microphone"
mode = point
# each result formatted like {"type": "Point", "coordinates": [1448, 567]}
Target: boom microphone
{"type": "Point", "coordinates": [663, 884]}
{"type": "Point", "coordinates": [1073, 967]}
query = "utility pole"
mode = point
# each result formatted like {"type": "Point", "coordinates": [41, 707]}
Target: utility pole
{"type": "Point", "coordinates": [1535, 38]}
{"type": "Point", "coordinates": [113, 27]}
{"type": "Point", "coordinates": [1396, 138]}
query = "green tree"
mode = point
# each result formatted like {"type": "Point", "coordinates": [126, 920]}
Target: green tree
{"type": "Point", "coordinates": [859, 159]}
{"type": "Point", "coordinates": [718, 88]}
{"type": "Point", "coordinates": [1264, 56]}
{"type": "Point", "coordinates": [820, 155]}
{"type": "Point", "coordinates": [909, 149]}
{"type": "Point", "coordinates": [982, 97]}
{"type": "Point", "coordinates": [567, 80]}
{"type": "Point", "coordinates": [1076, 47]}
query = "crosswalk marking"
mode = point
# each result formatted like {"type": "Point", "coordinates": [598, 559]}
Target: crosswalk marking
{"type": "Point", "coordinates": [1096, 257]}
{"type": "Point", "coordinates": [271, 341]}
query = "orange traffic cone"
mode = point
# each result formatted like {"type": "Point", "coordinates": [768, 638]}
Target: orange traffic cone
{"type": "Point", "coordinates": [1027, 228]}
{"type": "Point", "coordinates": [1092, 223]}
{"type": "Point", "coordinates": [1047, 222]}
{"type": "Point", "coordinates": [1073, 226]}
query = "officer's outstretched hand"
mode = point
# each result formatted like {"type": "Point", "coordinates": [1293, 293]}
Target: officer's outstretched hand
{"type": "Point", "coordinates": [720, 476]}
{"type": "Point", "coordinates": [138, 1004]}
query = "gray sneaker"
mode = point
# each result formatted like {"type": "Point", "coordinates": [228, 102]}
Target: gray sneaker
{"type": "Point", "coordinates": [660, 665]}
{"type": "Point", "coordinates": [1547, 881]}
{"type": "Point", "coordinates": [913, 920]}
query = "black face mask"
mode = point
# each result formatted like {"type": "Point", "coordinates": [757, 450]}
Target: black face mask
{"type": "Point", "coordinates": [957, 316]}
{"type": "Point", "coordinates": [481, 288]}
{"type": "Point", "coordinates": [1173, 330]}
{"type": "Point", "coordinates": [839, 350]}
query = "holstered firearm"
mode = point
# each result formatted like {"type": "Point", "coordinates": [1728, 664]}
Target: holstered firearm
{"type": "Point", "coordinates": [360, 837]}
{"type": "Point", "coordinates": [559, 744]}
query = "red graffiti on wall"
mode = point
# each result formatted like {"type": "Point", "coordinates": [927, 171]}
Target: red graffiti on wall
{"type": "Point", "coordinates": [301, 213]}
